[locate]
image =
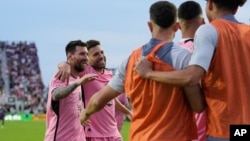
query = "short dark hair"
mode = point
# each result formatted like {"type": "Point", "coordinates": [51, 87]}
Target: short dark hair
{"type": "Point", "coordinates": [71, 46]}
{"type": "Point", "coordinates": [92, 43]}
{"type": "Point", "coordinates": [230, 5]}
{"type": "Point", "coordinates": [189, 10]}
{"type": "Point", "coordinates": [163, 13]}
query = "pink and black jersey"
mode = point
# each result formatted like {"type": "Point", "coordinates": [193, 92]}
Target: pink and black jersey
{"type": "Point", "coordinates": [103, 123]}
{"type": "Point", "coordinates": [62, 117]}
{"type": "Point", "coordinates": [187, 43]}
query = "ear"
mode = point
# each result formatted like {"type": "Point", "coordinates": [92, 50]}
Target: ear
{"type": "Point", "coordinates": [179, 25]}
{"type": "Point", "coordinates": [234, 12]}
{"type": "Point", "coordinates": [203, 21]}
{"type": "Point", "coordinates": [150, 26]}
{"type": "Point", "coordinates": [210, 4]}
{"type": "Point", "coordinates": [69, 56]}
{"type": "Point", "coordinates": [176, 26]}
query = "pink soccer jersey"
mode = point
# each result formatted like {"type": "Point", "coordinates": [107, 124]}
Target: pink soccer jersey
{"type": "Point", "coordinates": [119, 115]}
{"type": "Point", "coordinates": [62, 117]}
{"type": "Point", "coordinates": [103, 123]}
{"type": "Point", "coordinates": [199, 117]}
{"type": "Point", "coordinates": [187, 43]}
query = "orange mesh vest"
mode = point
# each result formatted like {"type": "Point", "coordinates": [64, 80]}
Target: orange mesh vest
{"type": "Point", "coordinates": [160, 111]}
{"type": "Point", "coordinates": [226, 84]}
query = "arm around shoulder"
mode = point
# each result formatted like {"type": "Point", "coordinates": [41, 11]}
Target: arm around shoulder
{"type": "Point", "coordinates": [189, 76]}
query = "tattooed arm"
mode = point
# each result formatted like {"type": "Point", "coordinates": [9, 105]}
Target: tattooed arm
{"type": "Point", "coordinates": [62, 92]}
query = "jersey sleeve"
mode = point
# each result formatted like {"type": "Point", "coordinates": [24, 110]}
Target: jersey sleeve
{"type": "Point", "coordinates": [205, 42]}
{"type": "Point", "coordinates": [117, 81]}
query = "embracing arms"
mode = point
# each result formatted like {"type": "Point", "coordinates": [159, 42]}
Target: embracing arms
{"type": "Point", "coordinates": [62, 92]}
{"type": "Point", "coordinates": [189, 78]}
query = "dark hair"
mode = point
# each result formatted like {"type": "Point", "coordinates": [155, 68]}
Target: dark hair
{"type": "Point", "coordinates": [189, 10]}
{"type": "Point", "coordinates": [71, 46]}
{"type": "Point", "coordinates": [92, 43]}
{"type": "Point", "coordinates": [229, 4]}
{"type": "Point", "coordinates": [163, 13]}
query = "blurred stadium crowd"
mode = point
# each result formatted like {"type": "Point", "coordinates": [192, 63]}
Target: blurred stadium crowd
{"type": "Point", "coordinates": [21, 86]}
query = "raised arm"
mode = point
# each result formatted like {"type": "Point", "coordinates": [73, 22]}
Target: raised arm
{"type": "Point", "coordinates": [62, 92]}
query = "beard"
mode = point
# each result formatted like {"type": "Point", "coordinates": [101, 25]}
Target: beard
{"type": "Point", "coordinates": [99, 66]}
{"type": "Point", "coordinates": [80, 67]}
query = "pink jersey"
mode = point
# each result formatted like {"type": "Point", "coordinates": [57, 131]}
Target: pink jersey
{"type": "Point", "coordinates": [103, 123]}
{"type": "Point", "coordinates": [62, 117]}
{"type": "Point", "coordinates": [187, 43]}
{"type": "Point", "coordinates": [199, 117]}
{"type": "Point", "coordinates": [119, 115]}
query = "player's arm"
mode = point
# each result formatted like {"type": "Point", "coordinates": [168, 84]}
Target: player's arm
{"type": "Point", "coordinates": [64, 71]}
{"type": "Point", "coordinates": [195, 98]}
{"type": "Point", "coordinates": [97, 102]}
{"type": "Point", "coordinates": [62, 92]}
{"type": "Point", "coordinates": [122, 108]}
{"type": "Point", "coordinates": [205, 41]}
{"type": "Point", "coordinates": [186, 77]}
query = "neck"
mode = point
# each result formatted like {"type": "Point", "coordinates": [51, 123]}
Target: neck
{"type": "Point", "coordinates": [74, 73]}
{"type": "Point", "coordinates": [221, 13]}
{"type": "Point", "coordinates": [189, 31]}
{"type": "Point", "coordinates": [189, 27]}
{"type": "Point", "coordinates": [163, 34]}
{"type": "Point", "coordinates": [100, 70]}
{"type": "Point", "coordinates": [188, 34]}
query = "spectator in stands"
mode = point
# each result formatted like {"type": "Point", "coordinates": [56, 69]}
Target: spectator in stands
{"type": "Point", "coordinates": [22, 69]}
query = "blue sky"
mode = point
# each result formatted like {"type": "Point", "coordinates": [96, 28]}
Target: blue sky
{"type": "Point", "coordinates": [121, 26]}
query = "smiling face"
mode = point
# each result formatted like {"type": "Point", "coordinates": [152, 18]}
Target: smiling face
{"type": "Point", "coordinates": [97, 58]}
{"type": "Point", "coordinates": [79, 59]}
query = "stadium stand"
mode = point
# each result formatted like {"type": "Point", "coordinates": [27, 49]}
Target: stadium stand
{"type": "Point", "coordinates": [21, 86]}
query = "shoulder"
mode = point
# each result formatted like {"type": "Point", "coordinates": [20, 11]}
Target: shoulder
{"type": "Point", "coordinates": [55, 82]}
{"type": "Point", "coordinates": [108, 71]}
{"type": "Point", "coordinates": [178, 49]}
{"type": "Point", "coordinates": [206, 30]}
{"type": "Point", "coordinates": [206, 35]}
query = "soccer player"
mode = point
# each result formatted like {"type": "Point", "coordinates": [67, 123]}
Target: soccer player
{"type": "Point", "coordinates": [220, 60]}
{"type": "Point", "coordinates": [160, 112]}
{"type": "Point", "coordinates": [65, 98]}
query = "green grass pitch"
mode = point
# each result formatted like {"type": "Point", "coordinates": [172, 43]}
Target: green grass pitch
{"type": "Point", "coordinates": [34, 131]}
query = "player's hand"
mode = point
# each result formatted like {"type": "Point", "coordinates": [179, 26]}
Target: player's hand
{"type": "Point", "coordinates": [143, 67]}
{"type": "Point", "coordinates": [84, 118]}
{"type": "Point", "coordinates": [64, 71]}
{"type": "Point", "coordinates": [129, 116]}
{"type": "Point", "coordinates": [86, 78]}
